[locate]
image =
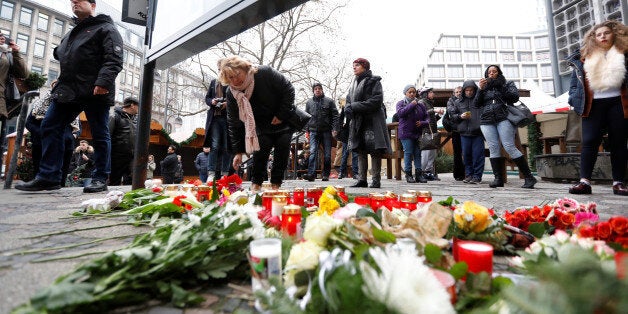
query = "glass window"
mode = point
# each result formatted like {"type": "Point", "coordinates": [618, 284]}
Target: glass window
{"type": "Point", "coordinates": [454, 56]}
{"type": "Point", "coordinates": [437, 56]}
{"type": "Point", "coordinates": [523, 43]}
{"type": "Point", "coordinates": [454, 84]}
{"type": "Point", "coordinates": [471, 42]}
{"type": "Point", "coordinates": [505, 43]}
{"type": "Point", "coordinates": [6, 12]}
{"type": "Point", "coordinates": [543, 56]}
{"type": "Point", "coordinates": [472, 56]}
{"type": "Point", "coordinates": [131, 58]}
{"type": "Point", "coordinates": [508, 56]}
{"type": "Point", "coordinates": [436, 71]}
{"type": "Point", "coordinates": [26, 16]}
{"type": "Point", "coordinates": [122, 76]}
{"type": "Point", "coordinates": [42, 22]}
{"type": "Point", "coordinates": [138, 60]}
{"type": "Point", "coordinates": [474, 71]}
{"type": "Point", "coordinates": [489, 57]}
{"type": "Point", "coordinates": [37, 69]}
{"type": "Point", "coordinates": [437, 84]}
{"type": "Point", "coordinates": [452, 42]}
{"type": "Point", "coordinates": [58, 28]}
{"type": "Point", "coordinates": [6, 32]}
{"type": "Point", "coordinates": [546, 70]}
{"type": "Point", "coordinates": [529, 71]}
{"type": "Point", "coordinates": [129, 77]}
{"type": "Point", "coordinates": [548, 86]}
{"type": "Point", "coordinates": [52, 76]}
{"type": "Point", "coordinates": [22, 41]}
{"type": "Point", "coordinates": [125, 55]}
{"type": "Point", "coordinates": [455, 71]}
{"type": "Point", "coordinates": [511, 71]}
{"type": "Point", "coordinates": [136, 81]}
{"type": "Point", "coordinates": [488, 43]}
{"type": "Point", "coordinates": [525, 56]}
{"type": "Point", "coordinates": [120, 96]}
{"type": "Point", "coordinates": [39, 50]}
{"type": "Point", "coordinates": [541, 42]}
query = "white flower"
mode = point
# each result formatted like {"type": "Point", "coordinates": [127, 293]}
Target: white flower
{"type": "Point", "coordinates": [302, 256]}
{"type": "Point", "coordinates": [403, 217]}
{"type": "Point", "coordinates": [517, 261]}
{"type": "Point", "coordinates": [561, 236]}
{"type": "Point", "coordinates": [318, 228]}
{"type": "Point", "coordinates": [404, 283]}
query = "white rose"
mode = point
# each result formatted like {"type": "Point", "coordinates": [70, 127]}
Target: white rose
{"type": "Point", "coordinates": [318, 228]}
{"type": "Point", "coordinates": [302, 256]}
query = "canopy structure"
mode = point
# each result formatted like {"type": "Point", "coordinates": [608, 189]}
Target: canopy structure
{"type": "Point", "coordinates": [540, 102]}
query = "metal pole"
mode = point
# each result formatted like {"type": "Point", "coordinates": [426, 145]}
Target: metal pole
{"type": "Point", "coordinates": [21, 121]}
{"type": "Point", "coordinates": [140, 157]}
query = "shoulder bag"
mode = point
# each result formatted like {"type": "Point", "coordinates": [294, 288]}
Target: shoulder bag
{"type": "Point", "coordinates": [519, 115]}
{"type": "Point", "coordinates": [429, 140]}
{"type": "Point", "coordinates": [298, 118]}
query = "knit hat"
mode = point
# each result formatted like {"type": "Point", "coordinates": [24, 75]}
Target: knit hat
{"type": "Point", "coordinates": [130, 101]}
{"type": "Point", "coordinates": [363, 62]}
{"type": "Point", "coordinates": [405, 89]}
{"type": "Point", "coordinates": [316, 84]}
{"type": "Point", "coordinates": [92, 1]}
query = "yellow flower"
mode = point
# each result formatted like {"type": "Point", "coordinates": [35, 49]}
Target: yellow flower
{"type": "Point", "coordinates": [472, 217]}
{"type": "Point", "coordinates": [328, 204]}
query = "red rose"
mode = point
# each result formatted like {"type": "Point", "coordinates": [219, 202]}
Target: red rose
{"type": "Point", "coordinates": [535, 213]}
{"type": "Point", "coordinates": [587, 232]}
{"type": "Point", "coordinates": [274, 221]}
{"type": "Point", "coordinates": [619, 224]}
{"type": "Point", "coordinates": [623, 241]}
{"type": "Point", "coordinates": [547, 210]}
{"type": "Point", "coordinates": [567, 219]}
{"type": "Point", "coordinates": [604, 230]}
{"type": "Point", "coordinates": [522, 214]}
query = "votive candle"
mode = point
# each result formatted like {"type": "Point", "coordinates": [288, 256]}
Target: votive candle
{"type": "Point", "coordinates": [477, 255]}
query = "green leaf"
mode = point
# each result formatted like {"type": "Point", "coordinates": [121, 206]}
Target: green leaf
{"type": "Point", "coordinates": [433, 254]}
{"type": "Point", "coordinates": [63, 294]}
{"type": "Point", "coordinates": [383, 236]}
{"type": "Point", "coordinates": [537, 229]}
{"type": "Point", "coordinates": [500, 283]}
{"type": "Point", "coordinates": [367, 212]}
{"type": "Point", "coordinates": [459, 270]}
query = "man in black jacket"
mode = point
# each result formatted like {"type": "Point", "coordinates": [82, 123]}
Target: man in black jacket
{"type": "Point", "coordinates": [90, 57]}
{"type": "Point", "coordinates": [169, 165]}
{"type": "Point", "coordinates": [322, 127]}
{"type": "Point", "coordinates": [123, 128]}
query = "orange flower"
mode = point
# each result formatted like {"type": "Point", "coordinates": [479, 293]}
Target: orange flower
{"type": "Point", "coordinates": [619, 224]}
{"type": "Point", "coordinates": [546, 210]}
{"type": "Point", "coordinates": [522, 214]}
{"type": "Point", "coordinates": [604, 230]}
{"type": "Point", "coordinates": [567, 219]}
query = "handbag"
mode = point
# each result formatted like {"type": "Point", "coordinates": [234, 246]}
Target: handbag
{"type": "Point", "coordinates": [448, 123]}
{"type": "Point", "coordinates": [12, 94]}
{"type": "Point", "coordinates": [429, 140]}
{"type": "Point", "coordinates": [519, 115]}
{"type": "Point", "coordinates": [298, 119]}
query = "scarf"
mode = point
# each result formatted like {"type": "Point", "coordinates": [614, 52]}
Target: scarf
{"type": "Point", "coordinates": [242, 94]}
{"type": "Point", "coordinates": [605, 70]}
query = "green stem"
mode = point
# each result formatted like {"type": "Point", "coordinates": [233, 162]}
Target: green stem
{"type": "Point", "coordinates": [69, 246]}
{"type": "Point", "coordinates": [81, 229]}
{"type": "Point", "coordinates": [52, 259]}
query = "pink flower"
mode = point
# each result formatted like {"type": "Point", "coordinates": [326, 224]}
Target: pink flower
{"type": "Point", "coordinates": [589, 207]}
{"type": "Point", "coordinates": [586, 217]}
{"type": "Point", "coordinates": [568, 204]}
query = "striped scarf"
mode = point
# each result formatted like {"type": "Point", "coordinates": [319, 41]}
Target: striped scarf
{"type": "Point", "coordinates": [242, 94]}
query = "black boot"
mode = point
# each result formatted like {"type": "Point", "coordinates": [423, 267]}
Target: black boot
{"type": "Point", "coordinates": [218, 175]}
{"type": "Point", "coordinates": [522, 164]}
{"type": "Point", "coordinates": [360, 184]}
{"type": "Point", "coordinates": [498, 170]}
{"type": "Point", "coordinates": [419, 177]}
{"type": "Point", "coordinates": [409, 177]}
{"type": "Point", "coordinates": [375, 184]}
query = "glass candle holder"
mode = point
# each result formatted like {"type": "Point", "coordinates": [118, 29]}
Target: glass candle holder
{"type": "Point", "coordinates": [424, 196]}
{"type": "Point", "coordinates": [291, 220]}
{"type": "Point", "coordinates": [362, 200]}
{"type": "Point", "coordinates": [203, 193]}
{"type": "Point", "coordinates": [477, 255]}
{"type": "Point", "coordinates": [298, 197]}
{"type": "Point", "coordinates": [377, 201]}
{"type": "Point", "coordinates": [280, 199]}
{"type": "Point", "coordinates": [408, 201]}
{"type": "Point", "coordinates": [267, 199]}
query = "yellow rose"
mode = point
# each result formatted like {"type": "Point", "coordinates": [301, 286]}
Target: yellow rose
{"type": "Point", "coordinates": [327, 204]}
{"type": "Point", "coordinates": [472, 217]}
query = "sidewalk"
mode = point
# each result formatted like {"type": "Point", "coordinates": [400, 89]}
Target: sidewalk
{"type": "Point", "coordinates": [28, 214]}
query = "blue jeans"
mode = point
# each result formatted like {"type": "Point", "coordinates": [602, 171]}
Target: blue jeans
{"type": "Point", "coordinates": [411, 152]}
{"type": "Point", "coordinates": [315, 139]}
{"type": "Point", "coordinates": [343, 160]}
{"type": "Point", "coordinates": [504, 133]}
{"type": "Point", "coordinates": [221, 157]}
{"type": "Point", "coordinates": [473, 155]}
{"type": "Point", "coordinates": [53, 126]}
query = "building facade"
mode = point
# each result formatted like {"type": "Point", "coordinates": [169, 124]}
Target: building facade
{"type": "Point", "coordinates": [38, 26]}
{"type": "Point", "coordinates": [459, 57]}
{"type": "Point", "coordinates": [568, 21]}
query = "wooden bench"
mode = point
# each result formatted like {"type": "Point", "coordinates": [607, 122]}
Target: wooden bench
{"type": "Point", "coordinates": [549, 141]}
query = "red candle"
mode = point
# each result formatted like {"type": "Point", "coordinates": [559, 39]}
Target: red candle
{"type": "Point", "coordinates": [424, 196]}
{"type": "Point", "coordinates": [291, 220]}
{"type": "Point", "coordinates": [377, 201]}
{"type": "Point", "coordinates": [621, 262]}
{"type": "Point", "coordinates": [478, 255]}
{"type": "Point", "coordinates": [362, 200]}
{"type": "Point", "coordinates": [408, 201]}
{"type": "Point", "coordinates": [298, 197]}
{"type": "Point", "coordinates": [267, 199]}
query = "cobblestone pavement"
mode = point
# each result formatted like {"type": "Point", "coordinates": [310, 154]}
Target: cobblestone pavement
{"type": "Point", "coordinates": [28, 264]}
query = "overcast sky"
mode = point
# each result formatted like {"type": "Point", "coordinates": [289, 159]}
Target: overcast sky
{"type": "Point", "coordinates": [397, 35]}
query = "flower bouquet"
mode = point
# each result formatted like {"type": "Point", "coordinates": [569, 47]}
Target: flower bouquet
{"type": "Point", "coordinates": [472, 221]}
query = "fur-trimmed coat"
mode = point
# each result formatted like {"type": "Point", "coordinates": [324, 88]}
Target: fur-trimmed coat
{"type": "Point", "coordinates": [581, 90]}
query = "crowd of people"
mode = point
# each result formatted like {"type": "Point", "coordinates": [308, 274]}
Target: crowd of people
{"type": "Point", "coordinates": [251, 119]}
